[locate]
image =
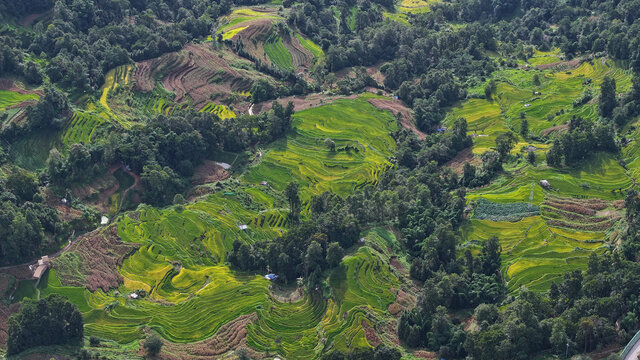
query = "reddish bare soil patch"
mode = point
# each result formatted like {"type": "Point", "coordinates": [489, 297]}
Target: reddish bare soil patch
{"type": "Point", "coordinates": [10, 85]}
{"type": "Point", "coordinates": [100, 191]}
{"type": "Point", "coordinates": [5, 312]}
{"type": "Point", "coordinates": [29, 19]}
{"type": "Point", "coordinates": [395, 309]}
{"type": "Point", "coordinates": [229, 337]}
{"type": "Point", "coordinates": [465, 156]}
{"type": "Point", "coordinates": [101, 252]}
{"type": "Point", "coordinates": [370, 334]}
{"type": "Point", "coordinates": [209, 172]}
{"type": "Point", "coordinates": [398, 107]}
{"type": "Point", "coordinates": [560, 64]}
{"type": "Point", "coordinates": [196, 73]}
{"type": "Point", "coordinates": [398, 265]}
{"type": "Point", "coordinates": [553, 129]}
{"type": "Point", "coordinates": [423, 354]}
{"type": "Point", "coordinates": [301, 102]}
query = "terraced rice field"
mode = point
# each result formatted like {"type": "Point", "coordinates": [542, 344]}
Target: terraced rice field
{"type": "Point", "coordinates": [545, 106]}
{"type": "Point", "coordinates": [277, 53]}
{"type": "Point", "coordinates": [241, 19]}
{"type": "Point", "coordinates": [363, 147]}
{"type": "Point", "coordinates": [82, 127]}
{"type": "Point", "coordinates": [114, 78]}
{"type": "Point", "coordinates": [311, 46]}
{"type": "Point", "coordinates": [11, 98]}
{"type": "Point", "coordinates": [415, 6]}
{"type": "Point", "coordinates": [577, 217]}
{"type": "Point", "coordinates": [191, 300]}
{"type": "Point", "coordinates": [580, 214]}
{"type": "Point", "coordinates": [222, 111]}
{"type": "Point", "coordinates": [177, 254]}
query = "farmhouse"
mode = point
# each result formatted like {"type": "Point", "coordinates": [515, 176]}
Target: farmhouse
{"type": "Point", "coordinates": [41, 268]}
{"type": "Point", "coordinates": [243, 227]}
{"type": "Point", "coordinates": [545, 184]}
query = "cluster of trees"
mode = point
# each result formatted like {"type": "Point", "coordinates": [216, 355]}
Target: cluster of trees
{"type": "Point", "coordinates": [168, 148]}
{"type": "Point", "coordinates": [582, 139]}
{"type": "Point", "coordinates": [83, 39]}
{"type": "Point", "coordinates": [28, 226]}
{"type": "Point", "coordinates": [49, 321]}
{"type": "Point", "coordinates": [309, 247]}
{"type": "Point", "coordinates": [380, 352]}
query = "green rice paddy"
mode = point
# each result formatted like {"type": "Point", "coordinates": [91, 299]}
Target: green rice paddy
{"type": "Point", "coordinates": [311, 46]}
{"type": "Point", "coordinates": [82, 127]}
{"type": "Point", "coordinates": [363, 148]}
{"type": "Point", "coordinates": [539, 249]}
{"type": "Point", "coordinates": [222, 111]}
{"type": "Point", "coordinates": [180, 262]}
{"type": "Point", "coordinates": [277, 53]}
{"type": "Point", "coordinates": [10, 98]}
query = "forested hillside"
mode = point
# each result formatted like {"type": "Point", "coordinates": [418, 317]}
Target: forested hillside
{"type": "Point", "coordinates": [351, 179]}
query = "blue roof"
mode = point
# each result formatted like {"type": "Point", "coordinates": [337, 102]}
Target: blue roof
{"type": "Point", "coordinates": [271, 276]}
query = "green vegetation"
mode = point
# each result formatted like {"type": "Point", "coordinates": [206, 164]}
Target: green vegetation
{"type": "Point", "coordinates": [311, 46]}
{"type": "Point", "coordinates": [10, 98]}
{"type": "Point", "coordinates": [363, 147]}
{"type": "Point", "coordinates": [82, 127]}
{"type": "Point", "coordinates": [222, 111]}
{"type": "Point", "coordinates": [277, 53]}
{"type": "Point", "coordinates": [487, 210]}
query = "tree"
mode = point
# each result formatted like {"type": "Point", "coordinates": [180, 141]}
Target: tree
{"type": "Point", "coordinates": [486, 315]}
{"type": "Point", "coordinates": [608, 100]}
{"type": "Point", "coordinates": [153, 345]}
{"type": "Point", "coordinates": [22, 184]}
{"type": "Point", "coordinates": [330, 144]}
{"type": "Point", "coordinates": [468, 174]}
{"type": "Point", "coordinates": [383, 352]}
{"type": "Point", "coordinates": [505, 143]}
{"type": "Point", "coordinates": [32, 74]}
{"type": "Point", "coordinates": [49, 321]}
{"type": "Point", "coordinates": [536, 80]}
{"type": "Point", "coordinates": [554, 155]}
{"type": "Point", "coordinates": [314, 258]}
{"type": "Point", "coordinates": [531, 157]}
{"type": "Point", "coordinates": [490, 261]}
{"type": "Point", "coordinates": [334, 254]}
{"type": "Point", "coordinates": [524, 128]}
{"type": "Point", "coordinates": [162, 184]}
{"type": "Point", "coordinates": [291, 192]}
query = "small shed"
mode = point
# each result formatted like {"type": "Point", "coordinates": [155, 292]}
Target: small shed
{"type": "Point", "coordinates": [527, 105]}
{"type": "Point", "coordinates": [545, 184]}
{"type": "Point", "coordinates": [271, 277]}
{"type": "Point", "coordinates": [133, 296]}
{"type": "Point", "coordinates": [64, 201]}
{"type": "Point", "coordinates": [243, 227]}
{"type": "Point", "coordinates": [264, 183]}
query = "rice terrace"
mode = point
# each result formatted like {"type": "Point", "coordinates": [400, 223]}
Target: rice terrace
{"type": "Point", "coordinates": [314, 179]}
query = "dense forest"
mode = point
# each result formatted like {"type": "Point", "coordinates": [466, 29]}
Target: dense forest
{"type": "Point", "coordinates": [492, 143]}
